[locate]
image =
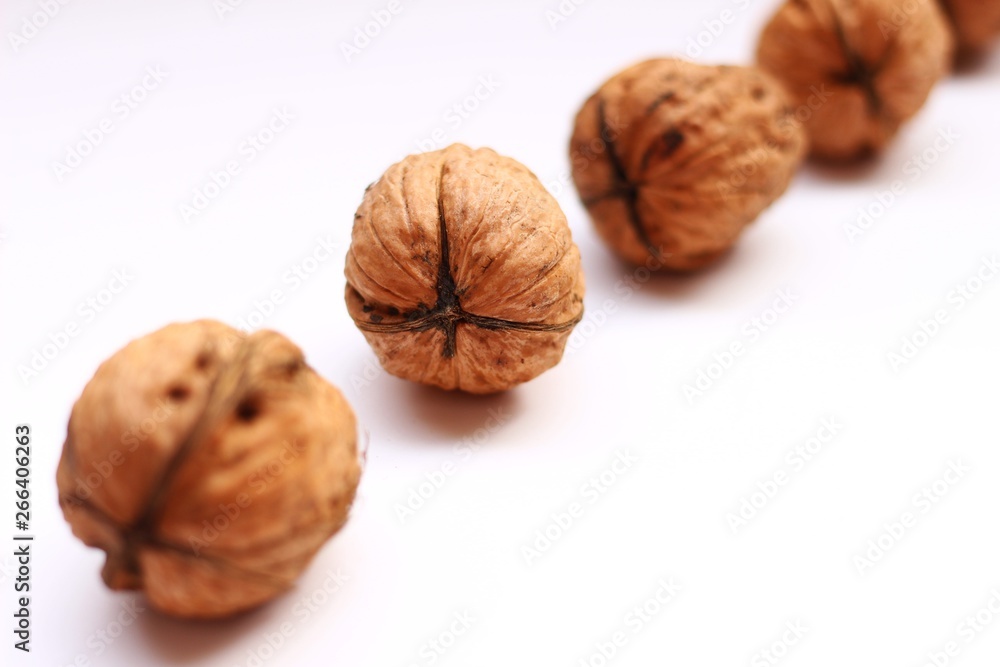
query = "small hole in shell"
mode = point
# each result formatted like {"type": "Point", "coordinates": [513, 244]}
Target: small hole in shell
{"type": "Point", "coordinates": [178, 393]}
{"type": "Point", "coordinates": [247, 410]}
{"type": "Point", "coordinates": [203, 361]}
{"type": "Point", "coordinates": [292, 368]}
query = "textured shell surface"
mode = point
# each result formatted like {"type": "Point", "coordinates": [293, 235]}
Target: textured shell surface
{"type": "Point", "coordinates": [673, 159]}
{"type": "Point", "coordinates": [462, 271]}
{"type": "Point", "coordinates": [861, 67]}
{"type": "Point", "coordinates": [209, 465]}
{"type": "Point", "coordinates": [976, 23]}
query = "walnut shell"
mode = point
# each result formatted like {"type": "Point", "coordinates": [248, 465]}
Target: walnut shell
{"type": "Point", "coordinates": [673, 159]}
{"type": "Point", "coordinates": [209, 465]}
{"type": "Point", "coordinates": [462, 272]}
{"type": "Point", "coordinates": [861, 68]}
{"type": "Point", "coordinates": [975, 23]}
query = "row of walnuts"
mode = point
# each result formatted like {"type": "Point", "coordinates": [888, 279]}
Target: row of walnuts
{"type": "Point", "coordinates": [211, 465]}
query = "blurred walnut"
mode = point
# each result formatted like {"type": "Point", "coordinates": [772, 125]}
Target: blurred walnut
{"type": "Point", "coordinates": [462, 272]}
{"type": "Point", "coordinates": [674, 159]}
{"type": "Point", "coordinates": [210, 466]}
{"type": "Point", "coordinates": [862, 67]}
{"type": "Point", "coordinates": [975, 23]}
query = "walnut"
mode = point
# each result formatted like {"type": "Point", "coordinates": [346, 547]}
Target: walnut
{"type": "Point", "coordinates": [862, 67]}
{"type": "Point", "coordinates": [462, 272]}
{"type": "Point", "coordinates": [975, 23]}
{"type": "Point", "coordinates": [209, 465]}
{"type": "Point", "coordinates": [672, 159]}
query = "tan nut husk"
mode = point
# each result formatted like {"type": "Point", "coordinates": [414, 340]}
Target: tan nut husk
{"type": "Point", "coordinates": [462, 272]}
{"type": "Point", "coordinates": [209, 465]}
{"type": "Point", "coordinates": [673, 159]}
{"type": "Point", "coordinates": [861, 67]}
{"type": "Point", "coordinates": [975, 23]}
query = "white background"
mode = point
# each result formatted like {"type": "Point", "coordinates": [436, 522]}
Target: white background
{"type": "Point", "coordinates": [619, 391]}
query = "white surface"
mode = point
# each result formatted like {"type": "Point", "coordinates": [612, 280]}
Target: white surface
{"type": "Point", "coordinates": [621, 391]}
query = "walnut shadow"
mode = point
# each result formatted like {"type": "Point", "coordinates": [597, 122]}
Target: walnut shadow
{"type": "Point", "coordinates": [975, 64]}
{"type": "Point", "coordinates": [850, 172]}
{"type": "Point", "coordinates": [177, 641]}
{"type": "Point", "coordinates": [606, 268]}
{"type": "Point", "coordinates": [440, 418]}
{"type": "Point", "coordinates": [180, 641]}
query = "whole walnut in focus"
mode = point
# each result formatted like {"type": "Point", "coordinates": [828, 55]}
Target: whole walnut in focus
{"type": "Point", "coordinates": [209, 465]}
{"type": "Point", "coordinates": [462, 272]}
{"type": "Point", "coordinates": [975, 23]}
{"type": "Point", "coordinates": [858, 68]}
{"type": "Point", "coordinates": [673, 159]}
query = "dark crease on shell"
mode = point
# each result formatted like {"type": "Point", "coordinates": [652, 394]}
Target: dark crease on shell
{"type": "Point", "coordinates": [448, 313]}
{"type": "Point", "coordinates": [124, 566]}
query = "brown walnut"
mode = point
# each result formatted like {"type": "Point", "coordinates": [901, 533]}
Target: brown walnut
{"type": "Point", "coordinates": [975, 23]}
{"type": "Point", "coordinates": [673, 159]}
{"type": "Point", "coordinates": [860, 67]}
{"type": "Point", "coordinates": [209, 465]}
{"type": "Point", "coordinates": [462, 272]}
